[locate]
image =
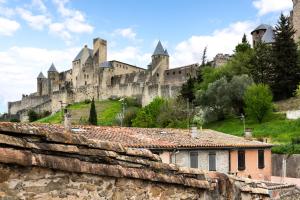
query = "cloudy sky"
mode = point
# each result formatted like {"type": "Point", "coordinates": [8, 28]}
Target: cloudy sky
{"type": "Point", "coordinates": [35, 33]}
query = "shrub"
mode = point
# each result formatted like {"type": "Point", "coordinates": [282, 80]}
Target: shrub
{"type": "Point", "coordinates": [146, 117]}
{"type": "Point", "coordinates": [132, 102]}
{"type": "Point", "coordinates": [14, 120]}
{"type": "Point", "coordinates": [32, 116]}
{"type": "Point", "coordinates": [129, 115]}
{"type": "Point", "coordinates": [87, 101]}
{"type": "Point", "coordinates": [258, 101]}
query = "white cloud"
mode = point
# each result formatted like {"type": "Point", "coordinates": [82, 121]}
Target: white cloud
{"type": "Point", "coordinates": [131, 55]}
{"type": "Point", "coordinates": [22, 65]}
{"type": "Point", "coordinates": [73, 22]}
{"type": "Point", "coordinates": [221, 41]}
{"type": "Point", "coordinates": [268, 6]}
{"type": "Point", "coordinates": [7, 12]}
{"type": "Point", "coordinates": [37, 22]}
{"type": "Point", "coordinates": [39, 4]}
{"type": "Point", "coordinates": [126, 33]}
{"type": "Point", "coordinates": [8, 27]}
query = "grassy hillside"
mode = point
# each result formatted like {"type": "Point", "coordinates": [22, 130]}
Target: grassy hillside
{"type": "Point", "coordinates": [106, 113]}
{"type": "Point", "coordinates": [276, 127]}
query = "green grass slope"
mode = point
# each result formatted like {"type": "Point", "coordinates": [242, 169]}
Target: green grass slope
{"type": "Point", "coordinates": [106, 113]}
{"type": "Point", "coordinates": [276, 127]}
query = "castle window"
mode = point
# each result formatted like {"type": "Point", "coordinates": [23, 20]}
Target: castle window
{"type": "Point", "coordinates": [85, 83]}
{"type": "Point", "coordinates": [87, 76]}
{"type": "Point", "coordinates": [157, 74]}
{"type": "Point", "coordinates": [179, 72]}
{"type": "Point", "coordinates": [76, 78]}
{"type": "Point", "coordinates": [167, 73]}
{"type": "Point", "coordinates": [173, 73]}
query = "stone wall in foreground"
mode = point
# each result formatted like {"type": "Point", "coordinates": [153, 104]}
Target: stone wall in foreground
{"type": "Point", "coordinates": [39, 183]}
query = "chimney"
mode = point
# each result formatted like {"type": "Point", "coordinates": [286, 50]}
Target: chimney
{"type": "Point", "coordinates": [67, 121]}
{"type": "Point", "coordinates": [194, 132]}
{"type": "Point", "coordinates": [248, 134]}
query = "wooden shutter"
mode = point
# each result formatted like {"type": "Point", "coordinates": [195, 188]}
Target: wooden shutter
{"type": "Point", "coordinates": [212, 161]}
{"type": "Point", "coordinates": [194, 159]}
{"type": "Point", "coordinates": [241, 160]}
{"type": "Point", "coordinates": [261, 159]}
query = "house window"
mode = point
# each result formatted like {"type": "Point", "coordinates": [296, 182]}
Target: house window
{"type": "Point", "coordinates": [261, 159]}
{"type": "Point", "coordinates": [212, 161]}
{"type": "Point", "coordinates": [241, 160]}
{"type": "Point", "coordinates": [194, 159]}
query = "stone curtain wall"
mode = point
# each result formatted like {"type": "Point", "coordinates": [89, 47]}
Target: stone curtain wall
{"type": "Point", "coordinates": [292, 165]}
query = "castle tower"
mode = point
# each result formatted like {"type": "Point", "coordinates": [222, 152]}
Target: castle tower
{"type": "Point", "coordinates": [160, 62]}
{"type": "Point", "coordinates": [40, 80]}
{"type": "Point", "coordinates": [52, 78]}
{"type": "Point", "coordinates": [263, 33]}
{"type": "Point", "coordinates": [295, 15]}
{"type": "Point", "coordinates": [99, 50]}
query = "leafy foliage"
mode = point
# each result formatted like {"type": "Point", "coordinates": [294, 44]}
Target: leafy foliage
{"type": "Point", "coordinates": [146, 117]}
{"type": "Point", "coordinates": [285, 59]}
{"type": "Point", "coordinates": [258, 101]}
{"type": "Point", "coordinates": [93, 114]}
{"type": "Point", "coordinates": [187, 90]}
{"type": "Point", "coordinates": [261, 69]}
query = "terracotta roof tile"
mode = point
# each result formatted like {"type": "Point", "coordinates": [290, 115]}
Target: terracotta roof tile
{"type": "Point", "coordinates": [145, 137]}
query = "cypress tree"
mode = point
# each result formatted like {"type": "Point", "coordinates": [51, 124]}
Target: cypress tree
{"type": "Point", "coordinates": [285, 57]}
{"type": "Point", "coordinates": [93, 114]}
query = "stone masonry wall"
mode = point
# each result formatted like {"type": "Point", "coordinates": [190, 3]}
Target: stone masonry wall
{"type": "Point", "coordinates": [32, 183]}
{"type": "Point", "coordinates": [292, 165]}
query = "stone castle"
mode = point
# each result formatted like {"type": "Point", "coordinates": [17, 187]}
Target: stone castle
{"type": "Point", "coordinates": [92, 76]}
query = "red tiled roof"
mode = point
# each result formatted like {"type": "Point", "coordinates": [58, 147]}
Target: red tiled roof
{"type": "Point", "coordinates": [152, 138]}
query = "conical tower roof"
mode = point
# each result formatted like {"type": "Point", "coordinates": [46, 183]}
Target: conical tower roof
{"type": "Point", "coordinates": [41, 75]}
{"type": "Point", "coordinates": [52, 68]}
{"type": "Point", "coordinates": [159, 50]}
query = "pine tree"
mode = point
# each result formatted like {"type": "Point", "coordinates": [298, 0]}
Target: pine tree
{"type": "Point", "coordinates": [203, 63]}
{"type": "Point", "coordinates": [93, 114]}
{"type": "Point", "coordinates": [187, 89]}
{"type": "Point", "coordinates": [244, 46]}
{"type": "Point", "coordinates": [285, 60]}
{"type": "Point", "coordinates": [261, 68]}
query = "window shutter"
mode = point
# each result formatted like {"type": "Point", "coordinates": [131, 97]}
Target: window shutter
{"type": "Point", "coordinates": [212, 161]}
{"type": "Point", "coordinates": [241, 160]}
{"type": "Point", "coordinates": [194, 159]}
{"type": "Point", "coordinates": [261, 159]}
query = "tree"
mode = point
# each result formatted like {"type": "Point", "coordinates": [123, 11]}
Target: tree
{"type": "Point", "coordinates": [146, 117]}
{"type": "Point", "coordinates": [217, 98]}
{"type": "Point", "coordinates": [285, 60]}
{"type": "Point", "coordinates": [244, 46]}
{"type": "Point", "coordinates": [187, 89]}
{"type": "Point", "coordinates": [262, 70]}
{"type": "Point", "coordinates": [203, 62]}
{"type": "Point", "coordinates": [258, 101]}
{"type": "Point", "coordinates": [237, 87]}
{"type": "Point", "coordinates": [93, 114]}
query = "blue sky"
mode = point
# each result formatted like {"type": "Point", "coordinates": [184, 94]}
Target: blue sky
{"type": "Point", "coordinates": [35, 33]}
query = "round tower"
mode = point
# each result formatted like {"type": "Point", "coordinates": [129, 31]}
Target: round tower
{"type": "Point", "coordinates": [40, 80]}
{"type": "Point", "coordinates": [295, 15]}
{"type": "Point", "coordinates": [52, 79]}
{"type": "Point", "coordinates": [160, 62]}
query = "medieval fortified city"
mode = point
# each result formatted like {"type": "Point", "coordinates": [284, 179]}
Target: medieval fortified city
{"type": "Point", "coordinates": [181, 104]}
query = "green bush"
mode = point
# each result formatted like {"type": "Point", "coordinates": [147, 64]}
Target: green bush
{"type": "Point", "coordinates": [33, 116]}
{"type": "Point", "coordinates": [258, 101]}
{"type": "Point", "coordinates": [129, 115]}
{"type": "Point", "coordinates": [146, 117]}
{"type": "Point", "coordinates": [286, 149]}
{"type": "Point", "coordinates": [87, 101]}
{"type": "Point", "coordinates": [14, 120]}
{"type": "Point", "coordinates": [132, 102]}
